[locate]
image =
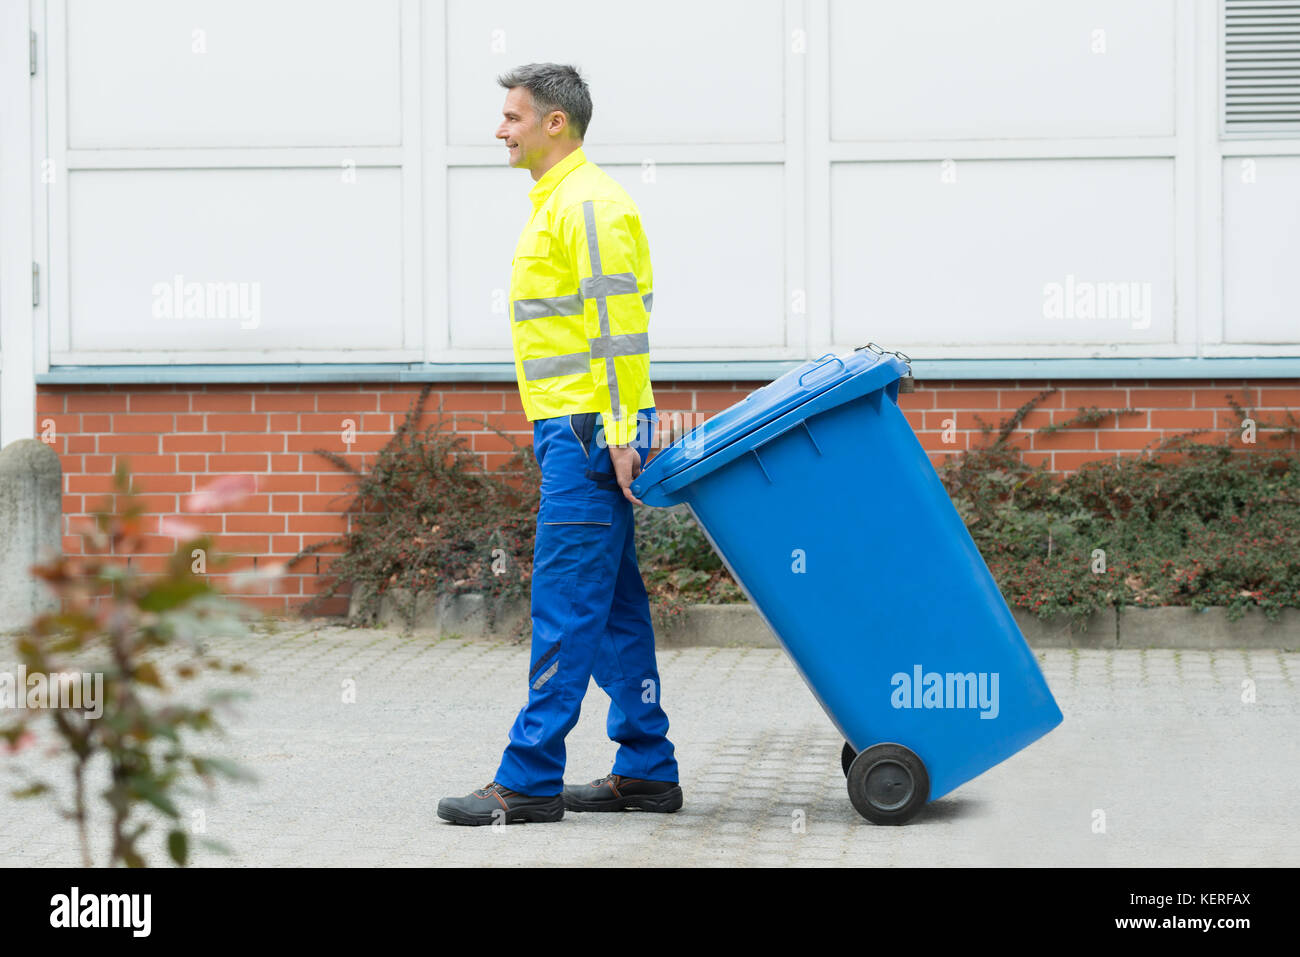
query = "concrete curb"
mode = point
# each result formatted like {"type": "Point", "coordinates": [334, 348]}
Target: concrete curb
{"type": "Point", "coordinates": [463, 615]}
{"type": "Point", "coordinates": [740, 625]}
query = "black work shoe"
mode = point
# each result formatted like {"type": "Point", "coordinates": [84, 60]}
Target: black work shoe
{"type": "Point", "coordinates": [614, 792]}
{"type": "Point", "coordinates": [497, 804]}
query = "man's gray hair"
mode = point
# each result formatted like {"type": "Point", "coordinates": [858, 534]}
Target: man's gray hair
{"type": "Point", "coordinates": [554, 86]}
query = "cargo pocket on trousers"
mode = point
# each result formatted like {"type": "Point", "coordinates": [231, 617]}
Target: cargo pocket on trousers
{"type": "Point", "coordinates": [571, 538]}
{"type": "Point", "coordinates": [577, 512]}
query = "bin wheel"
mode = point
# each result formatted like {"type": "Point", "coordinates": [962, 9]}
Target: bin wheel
{"type": "Point", "coordinates": [888, 784]}
{"type": "Point", "coordinates": [846, 757]}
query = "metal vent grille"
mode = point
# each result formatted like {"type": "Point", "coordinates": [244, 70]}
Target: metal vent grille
{"type": "Point", "coordinates": [1261, 66]}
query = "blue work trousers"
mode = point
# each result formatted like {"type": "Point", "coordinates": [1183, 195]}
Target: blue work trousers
{"type": "Point", "coordinates": [590, 615]}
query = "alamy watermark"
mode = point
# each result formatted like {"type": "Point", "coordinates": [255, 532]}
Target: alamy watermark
{"type": "Point", "coordinates": [1086, 299]}
{"type": "Point", "coordinates": [666, 428]}
{"type": "Point", "coordinates": [80, 691]}
{"type": "Point", "coordinates": [129, 911]}
{"type": "Point", "coordinates": [179, 299]}
{"type": "Point", "coordinates": [951, 689]}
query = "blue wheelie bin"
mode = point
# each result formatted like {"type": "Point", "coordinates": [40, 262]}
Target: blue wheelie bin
{"type": "Point", "coordinates": [821, 502]}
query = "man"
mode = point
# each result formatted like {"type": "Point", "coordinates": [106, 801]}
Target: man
{"type": "Point", "coordinates": [580, 296]}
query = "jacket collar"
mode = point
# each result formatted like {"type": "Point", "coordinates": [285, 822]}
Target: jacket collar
{"type": "Point", "coordinates": [551, 178]}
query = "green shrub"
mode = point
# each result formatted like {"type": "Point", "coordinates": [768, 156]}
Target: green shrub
{"type": "Point", "coordinates": [428, 518]}
{"type": "Point", "coordinates": [678, 564]}
{"type": "Point", "coordinates": [1189, 523]}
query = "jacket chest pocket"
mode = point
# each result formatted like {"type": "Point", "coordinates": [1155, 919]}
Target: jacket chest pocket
{"type": "Point", "coordinates": [533, 246]}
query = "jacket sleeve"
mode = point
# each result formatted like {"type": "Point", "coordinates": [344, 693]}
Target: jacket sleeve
{"type": "Point", "coordinates": [611, 259]}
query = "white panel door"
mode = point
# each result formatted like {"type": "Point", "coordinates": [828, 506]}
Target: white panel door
{"type": "Point", "coordinates": [286, 260]}
{"type": "Point", "coordinates": [953, 69]}
{"type": "Point", "coordinates": [233, 73]}
{"type": "Point", "coordinates": [1261, 249]}
{"type": "Point", "coordinates": [234, 181]}
{"type": "Point", "coordinates": [991, 252]}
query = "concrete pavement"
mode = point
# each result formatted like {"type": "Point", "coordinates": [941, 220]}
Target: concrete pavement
{"type": "Point", "coordinates": [1158, 748]}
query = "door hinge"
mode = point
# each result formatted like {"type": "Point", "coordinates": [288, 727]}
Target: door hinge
{"type": "Point", "coordinates": [36, 284]}
{"type": "Point", "coordinates": [31, 53]}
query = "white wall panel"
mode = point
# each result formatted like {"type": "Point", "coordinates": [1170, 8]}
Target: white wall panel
{"type": "Point", "coordinates": [282, 73]}
{"type": "Point", "coordinates": [325, 258]}
{"type": "Point", "coordinates": [1261, 249]}
{"type": "Point", "coordinates": [716, 250]}
{"type": "Point", "coordinates": [670, 72]}
{"type": "Point", "coordinates": [953, 69]}
{"type": "Point", "coordinates": [920, 260]}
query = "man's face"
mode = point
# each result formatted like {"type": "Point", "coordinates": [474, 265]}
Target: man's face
{"type": "Point", "coordinates": [521, 129]}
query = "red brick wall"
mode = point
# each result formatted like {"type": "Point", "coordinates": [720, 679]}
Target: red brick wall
{"type": "Point", "coordinates": [176, 438]}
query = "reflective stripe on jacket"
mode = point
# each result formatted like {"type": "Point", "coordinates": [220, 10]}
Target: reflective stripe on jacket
{"type": "Point", "coordinates": [580, 294]}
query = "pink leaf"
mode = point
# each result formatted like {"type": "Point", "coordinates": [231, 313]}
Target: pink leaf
{"type": "Point", "coordinates": [178, 528]}
{"type": "Point", "coordinates": [217, 494]}
{"type": "Point", "coordinates": [26, 739]}
{"type": "Point", "coordinates": [267, 573]}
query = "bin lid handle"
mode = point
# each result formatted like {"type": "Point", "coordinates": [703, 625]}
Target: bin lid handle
{"type": "Point", "coordinates": [829, 357]}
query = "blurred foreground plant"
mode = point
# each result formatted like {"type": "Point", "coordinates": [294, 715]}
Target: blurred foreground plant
{"type": "Point", "coordinates": [127, 623]}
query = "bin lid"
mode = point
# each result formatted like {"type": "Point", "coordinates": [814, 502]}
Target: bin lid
{"type": "Point", "coordinates": [761, 406]}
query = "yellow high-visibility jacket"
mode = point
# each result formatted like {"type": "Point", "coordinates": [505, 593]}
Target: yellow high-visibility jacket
{"type": "Point", "coordinates": [580, 294]}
